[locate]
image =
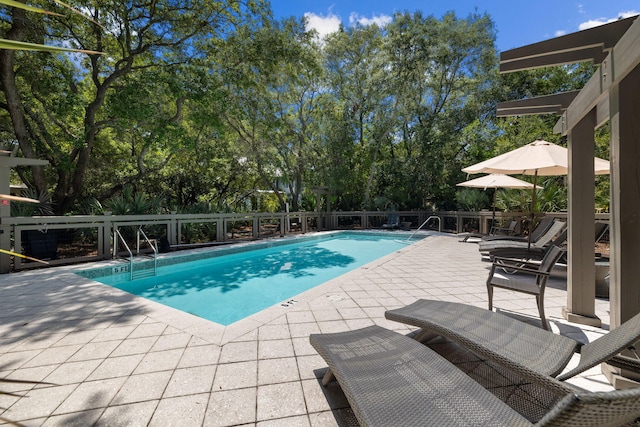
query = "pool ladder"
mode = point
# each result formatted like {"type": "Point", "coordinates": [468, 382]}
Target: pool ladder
{"type": "Point", "coordinates": [143, 271]}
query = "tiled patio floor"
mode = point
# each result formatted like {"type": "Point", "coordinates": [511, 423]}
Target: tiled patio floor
{"type": "Point", "coordinates": [96, 355]}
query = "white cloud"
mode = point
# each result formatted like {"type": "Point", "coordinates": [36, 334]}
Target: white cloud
{"type": "Point", "coordinates": [330, 23]}
{"type": "Point", "coordinates": [601, 21]}
{"type": "Point", "coordinates": [380, 20]}
{"type": "Point", "coordinates": [323, 24]}
{"type": "Point", "coordinates": [559, 33]}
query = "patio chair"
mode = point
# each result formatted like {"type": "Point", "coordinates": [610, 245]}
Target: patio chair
{"type": "Point", "coordinates": [533, 281]}
{"type": "Point", "coordinates": [485, 247]}
{"type": "Point", "coordinates": [390, 379]}
{"type": "Point", "coordinates": [393, 221]}
{"type": "Point", "coordinates": [513, 343]}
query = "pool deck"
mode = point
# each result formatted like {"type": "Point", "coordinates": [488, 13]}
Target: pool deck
{"type": "Point", "coordinates": [83, 353]}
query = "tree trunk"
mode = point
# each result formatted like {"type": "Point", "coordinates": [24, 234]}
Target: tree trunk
{"type": "Point", "coordinates": [14, 103]}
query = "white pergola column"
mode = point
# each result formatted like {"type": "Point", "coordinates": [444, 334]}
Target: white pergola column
{"type": "Point", "coordinates": [581, 289]}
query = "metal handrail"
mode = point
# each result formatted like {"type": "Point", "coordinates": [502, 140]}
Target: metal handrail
{"type": "Point", "coordinates": [424, 223]}
{"type": "Point", "coordinates": [153, 245]}
{"type": "Point", "coordinates": [116, 234]}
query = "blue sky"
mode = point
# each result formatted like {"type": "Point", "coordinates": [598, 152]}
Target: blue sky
{"type": "Point", "coordinates": [518, 23]}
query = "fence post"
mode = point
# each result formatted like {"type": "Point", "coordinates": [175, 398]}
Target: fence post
{"type": "Point", "coordinates": [106, 235]}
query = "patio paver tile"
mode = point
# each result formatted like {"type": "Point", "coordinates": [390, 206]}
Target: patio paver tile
{"type": "Point", "coordinates": [239, 351]}
{"type": "Point", "coordinates": [187, 381]}
{"type": "Point", "coordinates": [199, 355]}
{"type": "Point", "coordinates": [159, 361]}
{"type": "Point", "coordinates": [231, 376]}
{"type": "Point", "coordinates": [115, 367]}
{"type": "Point", "coordinates": [90, 395]}
{"type": "Point", "coordinates": [180, 411]}
{"type": "Point", "coordinates": [272, 371]}
{"type": "Point", "coordinates": [231, 407]}
{"type": "Point", "coordinates": [271, 397]}
{"type": "Point", "coordinates": [130, 415]}
{"type": "Point", "coordinates": [143, 387]}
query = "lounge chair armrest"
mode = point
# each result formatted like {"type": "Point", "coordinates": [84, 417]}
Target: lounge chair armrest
{"type": "Point", "coordinates": [511, 260]}
{"type": "Point", "coordinates": [515, 265]}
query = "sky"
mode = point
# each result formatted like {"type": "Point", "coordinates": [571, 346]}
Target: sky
{"type": "Point", "coordinates": [518, 23]}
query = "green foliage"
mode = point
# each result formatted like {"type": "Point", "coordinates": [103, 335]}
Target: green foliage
{"type": "Point", "coordinates": [131, 203]}
{"type": "Point", "coordinates": [551, 198]}
{"type": "Point", "coordinates": [472, 199]}
{"type": "Point", "coordinates": [44, 207]}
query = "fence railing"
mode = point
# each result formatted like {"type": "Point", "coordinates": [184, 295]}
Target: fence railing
{"type": "Point", "coordinates": [75, 239]}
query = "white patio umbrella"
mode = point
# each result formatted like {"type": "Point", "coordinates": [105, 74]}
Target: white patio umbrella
{"type": "Point", "coordinates": [496, 181]}
{"type": "Point", "coordinates": [539, 158]}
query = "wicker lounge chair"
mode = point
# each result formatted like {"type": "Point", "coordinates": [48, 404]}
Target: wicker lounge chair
{"type": "Point", "coordinates": [486, 247]}
{"type": "Point", "coordinates": [390, 379]}
{"type": "Point", "coordinates": [513, 343]}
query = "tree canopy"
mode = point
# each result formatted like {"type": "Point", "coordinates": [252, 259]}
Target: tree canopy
{"type": "Point", "coordinates": [213, 103]}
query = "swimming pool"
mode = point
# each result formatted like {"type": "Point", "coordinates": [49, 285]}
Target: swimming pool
{"type": "Point", "coordinates": [231, 286]}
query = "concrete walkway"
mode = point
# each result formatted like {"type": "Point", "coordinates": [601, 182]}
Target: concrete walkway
{"type": "Point", "coordinates": [82, 353]}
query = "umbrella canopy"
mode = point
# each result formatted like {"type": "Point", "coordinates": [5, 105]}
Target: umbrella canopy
{"type": "Point", "coordinates": [537, 158]}
{"type": "Point", "coordinates": [18, 198]}
{"type": "Point", "coordinates": [496, 181]}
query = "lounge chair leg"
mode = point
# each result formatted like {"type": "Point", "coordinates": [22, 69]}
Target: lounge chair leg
{"type": "Point", "coordinates": [328, 377]}
{"type": "Point", "coordinates": [540, 301]}
{"type": "Point", "coordinates": [490, 295]}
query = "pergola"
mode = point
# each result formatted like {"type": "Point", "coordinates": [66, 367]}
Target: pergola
{"type": "Point", "coordinates": [612, 94]}
{"type": "Point", "coordinates": [6, 163]}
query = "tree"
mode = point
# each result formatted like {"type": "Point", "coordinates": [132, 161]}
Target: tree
{"type": "Point", "coordinates": [271, 77]}
{"type": "Point", "coordinates": [443, 73]}
{"type": "Point", "coordinates": [56, 103]}
{"type": "Point", "coordinates": [358, 81]}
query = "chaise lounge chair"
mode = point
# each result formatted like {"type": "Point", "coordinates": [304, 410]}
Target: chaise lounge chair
{"type": "Point", "coordinates": [496, 232]}
{"type": "Point", "coordinates": [390, 379]}
{"type": "Point", "coordinates": [537, 253]}
{"type": "Point", "coordinates": [517, 344]}
{"type": "Point", "coordinates": [393, 221]}
{"type": "Point", "coordinates": [540, 229]}
{"type": "Point", "coordinates": [486, 247]}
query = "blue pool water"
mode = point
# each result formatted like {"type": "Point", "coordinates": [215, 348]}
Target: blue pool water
{"type": "Point", "coordinates": [227, 288]}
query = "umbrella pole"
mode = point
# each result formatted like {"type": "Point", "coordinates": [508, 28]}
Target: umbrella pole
{"type": "Point", "coordinates": [493, 216]}
{"type": "Point", "coordinates": [533, 207]}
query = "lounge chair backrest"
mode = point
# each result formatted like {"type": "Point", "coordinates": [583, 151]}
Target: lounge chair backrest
{"type": "Point", "coordinates": [601, 228]}
{"type": "Point", "coordinates": [542, 227]}
{"type": "Point", "coordinates": [550, 258]}
{"type": "Point", "coordinates": [393, 219]}
{"type": "Point", "coordinates": [562, 237]}
{"type": "Point", "coordinates": [606, 346]}
{"type": "Point", "coordinates": [556, 227]}
{"type": "Point", "coordinates": [611, 408]}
